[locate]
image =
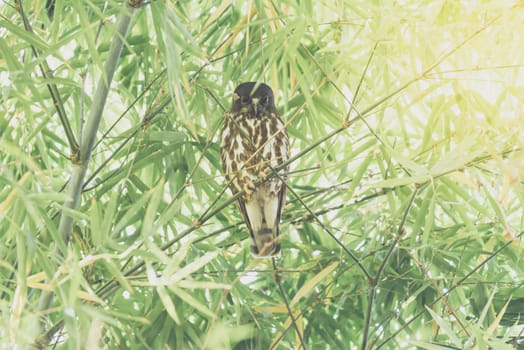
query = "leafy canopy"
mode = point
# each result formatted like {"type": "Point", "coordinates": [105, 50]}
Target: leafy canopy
{"type": "Point", "coordinates": [405, 204]}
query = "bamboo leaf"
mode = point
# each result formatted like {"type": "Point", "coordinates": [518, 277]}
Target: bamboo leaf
{"type": "Point", "coordinates": [411, 180]}
{"type": "Point", "coordinates": [168, 303]}
{"type": "Point", "coordinates": [308, 287]}
{"type": "Point", "coordinates": [192, 301]}
{"type": "Point", "coordinates": [445, 327]}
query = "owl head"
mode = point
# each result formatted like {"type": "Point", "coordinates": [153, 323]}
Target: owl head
{"type": "Point", "coordinates": [253, 98]}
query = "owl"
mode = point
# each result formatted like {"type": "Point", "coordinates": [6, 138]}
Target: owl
{"type": "Point", "coordinates": [254, 141]}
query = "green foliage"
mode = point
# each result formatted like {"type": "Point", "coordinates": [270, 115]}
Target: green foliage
{"type": "Point", "coordinates": [404, 221]}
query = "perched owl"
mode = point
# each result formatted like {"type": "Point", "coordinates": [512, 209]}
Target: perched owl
{"type": "Point", "coordinates": [254, 141]}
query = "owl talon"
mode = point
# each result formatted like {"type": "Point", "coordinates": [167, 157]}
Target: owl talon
{"type": "Point", "coordinates": [249, 188]}
{"type": "Point", "coordinates": [262, 174]}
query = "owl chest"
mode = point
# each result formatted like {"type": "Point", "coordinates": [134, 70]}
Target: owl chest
{"type": "Point", "coordinates": [250, 147]}
{"type": "Point", "coordinates": [248, 140]}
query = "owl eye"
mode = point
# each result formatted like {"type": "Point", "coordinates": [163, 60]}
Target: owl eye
{"type": "Point", "coordinates": [244, 100]}
{"type": "Point", "coordinates": [264, 100]}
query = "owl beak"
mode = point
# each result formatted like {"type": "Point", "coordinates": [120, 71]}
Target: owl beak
{"type": "Point", "coordinates": [254, 104]}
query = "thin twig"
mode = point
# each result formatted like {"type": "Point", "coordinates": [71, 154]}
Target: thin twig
{"type": "Point", "coordinates": [360, 83]}
{"type": "Point", "coordinates": [331, 234]}
{"type": "Point", "coordinates": [375, 280]}
{"type": "Point", "coordinates": [53, 90]}
{"type": "Point", "coordinates": [278, 281]}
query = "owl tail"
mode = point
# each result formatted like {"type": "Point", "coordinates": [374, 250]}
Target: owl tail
{"type": "Point", "coordinates": [262, 219]}
{"type": "Point", "coordinates": [265, 242]}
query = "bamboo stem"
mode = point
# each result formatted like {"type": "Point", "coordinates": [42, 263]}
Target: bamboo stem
{"type": "Point", "coordinates": [93, 120]}
{"type": "Point", "coordinates": [80, 165]}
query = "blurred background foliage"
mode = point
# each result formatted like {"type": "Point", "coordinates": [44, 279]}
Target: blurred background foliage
{"type": "Point", "coordinates": [404, 222]}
